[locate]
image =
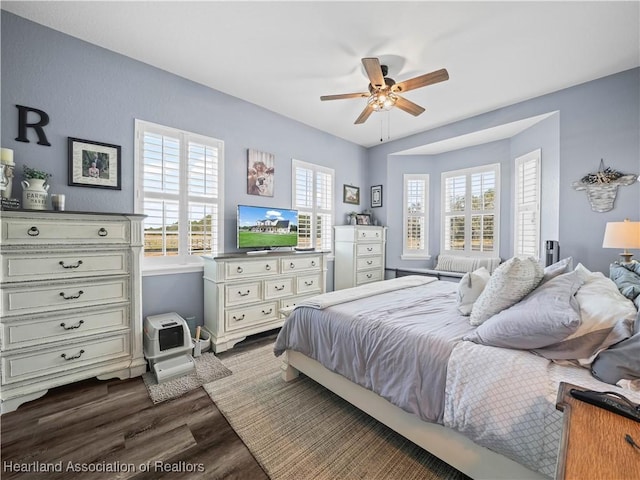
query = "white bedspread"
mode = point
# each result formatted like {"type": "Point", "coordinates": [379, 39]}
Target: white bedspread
{"type": "Point", "coordinates": [505, 400]}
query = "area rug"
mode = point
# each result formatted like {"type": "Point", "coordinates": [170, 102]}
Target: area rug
{"type": "Point", "coordinates": [208, 369]}
{"type": "Point", "coordinates": [300, 430]}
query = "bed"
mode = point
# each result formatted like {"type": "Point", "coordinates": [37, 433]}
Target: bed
{"type": "Point", "coordinates": [401, 351]}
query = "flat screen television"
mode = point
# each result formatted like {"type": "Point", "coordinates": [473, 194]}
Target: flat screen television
{"type": "Point", "coordinates": [266, 227]}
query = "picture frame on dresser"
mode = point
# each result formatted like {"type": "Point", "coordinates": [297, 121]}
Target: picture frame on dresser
{"type": "Point", "coordinates": [363, 219]}
{"type": "Point", "coordinates": [94, 164]}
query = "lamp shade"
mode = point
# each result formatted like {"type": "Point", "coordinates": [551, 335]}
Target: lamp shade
{"type": "Point", "coordinates": [622, 235]}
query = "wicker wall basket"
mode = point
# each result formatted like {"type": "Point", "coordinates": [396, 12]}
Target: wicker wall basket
{"type": "Point", "coordinates": [602, 187]}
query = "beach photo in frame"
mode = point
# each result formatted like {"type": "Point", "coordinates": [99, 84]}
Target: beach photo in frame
{"type": "Point", "coordinates": [260, 173]}
{"type": "Point", "coordinates": [376, 196]}
{"type": "Point", "coordinates": [351, 194]}
{"type": "Point", "coordinates": [94, 164]}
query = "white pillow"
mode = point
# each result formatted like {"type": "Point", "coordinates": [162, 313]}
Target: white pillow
{"type": "Point", "coordinates": [470, 287]}
{"type": "Point", "coordinates": [510, 282]}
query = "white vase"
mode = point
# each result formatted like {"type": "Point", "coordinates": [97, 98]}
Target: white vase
{"type": "Point", "coordinates": [34, 194]}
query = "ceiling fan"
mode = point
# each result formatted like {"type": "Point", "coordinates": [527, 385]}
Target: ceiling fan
{"type": "Point", "coordinates": [383, 91]}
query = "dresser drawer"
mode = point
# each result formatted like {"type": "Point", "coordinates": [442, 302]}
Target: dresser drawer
{"type": "Point", "coordinates": [369, 262]}
{"type": "Point", "coordinates": [288, 303]}
{"type": "Point", "coordinates": [61, 358]}
{"type": "Point", "coordinates": [243, 269]}
{"type": "Point", "coordinates": [247, 317]}
{"type": "Point", "coordinates": [276, 288]}
{"type": "Point", "coordinates": [241, 293]}
{"type": "Point", "coordinates": [368, 235]}
{"type": "Point", "coordinates": [63, 327]}
{"type": "Point", "coordinates": [308, 284]}
{"type": "Point", "coordinates": [33, 266]}
{"type": "Point", "coordinates": [49, 297]}
{"type": "Point", "coordinates": [53, 231]}
{"type": "Point", "coordinates": [369, 249]}
{"type": "Point", "coordinates": [303, 262]}
{"type": "Point", "coordinates": [370, 276]}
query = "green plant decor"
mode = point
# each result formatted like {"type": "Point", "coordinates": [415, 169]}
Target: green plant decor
{"type": "Point", "coordinates": [28, 173]}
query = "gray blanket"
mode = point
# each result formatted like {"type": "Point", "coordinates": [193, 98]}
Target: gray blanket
{"type": "Point", "coordinates": [396, 344]}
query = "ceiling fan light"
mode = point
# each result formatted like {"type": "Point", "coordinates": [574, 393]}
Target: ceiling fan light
{"type": "Point", "coordinates": [382, 101]}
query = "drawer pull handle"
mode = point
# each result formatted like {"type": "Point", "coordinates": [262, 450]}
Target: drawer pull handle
{"type": "Point", "coordinates": [64, 355]}
{"type": "Point", "coordinates": [72, 327]}
{"type": "Point", "coordinates": [308, 283]}
{"type": "Point", "coordinates": [71, 297]}
{"type": "Point", "coordinates": [239, 270]}
{"type": "Point", "coordinates": [267, 313]}
{"type": "Point", "coordinates": [78, 263]}
{"type": "Point", "coordinates": [369, 262]}
{"type": "Point", "coordinates": [292, 265]}
{"type": "Point", "coordinates": [103, 232]}
{"type": "Point", "coordinates": [237, 319]}
{"type": "Point", "coordinates": [33, 232]}
{"type": "Point", "coordinates": [279, 288]}
{"type": "Point", "coordinates": [369, 249]}
{"type": "Point", "coordinates": [267, 267]}
{"type": "Point", "coordinates": [244, 294]}
{"type": "Point", "coordinates": [313, 263]}
{"type": "Point", "coordinates": [377, 234]}
{"type": "Point", "coordinates": [369, 275]}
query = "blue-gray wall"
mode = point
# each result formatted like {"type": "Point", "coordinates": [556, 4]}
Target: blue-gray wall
{"type": "Point", "coordinates": [95, 94]}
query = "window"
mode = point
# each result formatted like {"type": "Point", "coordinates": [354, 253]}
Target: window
{"type": "Point", "coordinates": [179, 187]}
{"type": "Point", "coordinates": [527, 205]}
{"type": "Point", "coordinates": [415, 221]}
{"type": "Point", "coordinates": [470, 207]}
{"type": "Point", "coordinates": [313, 198]}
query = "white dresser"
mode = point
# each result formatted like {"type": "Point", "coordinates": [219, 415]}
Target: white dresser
{"type": "Point", "coordinates": [245, 294]}
{"type": "Point", "coordinates": [359, 255]}
{"type": "Point", "coordinates": [71, 300]}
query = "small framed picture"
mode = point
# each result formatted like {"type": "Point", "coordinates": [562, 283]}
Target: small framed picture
{"type": "Point", "coordinates": [376, 196]}
{"type": "Point", "coordinates": [351, 194]}
{"type": "Point", "coordinates": [94, 164]}
{"type": "Point", "coordinates": [363, 219]}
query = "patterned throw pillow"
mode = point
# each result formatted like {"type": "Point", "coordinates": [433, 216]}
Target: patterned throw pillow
{"type": "Point", "coordinates": [510, 282]}
{"type": "Point", "coordinates": [469, 289]}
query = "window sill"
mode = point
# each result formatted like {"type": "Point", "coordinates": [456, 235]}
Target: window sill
{"type": "Point", "coordinates": [415, 257]}
{"type": "Point", "coordinates": [171, 269]}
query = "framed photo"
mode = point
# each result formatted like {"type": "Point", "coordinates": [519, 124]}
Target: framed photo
{"type": "Point", "coordinates": [351, 194]}
{"type": "Point", "coordinates": [94, 164]}
{"type": "Point", "coordinates": [260, 173]}
{"type": "Point", "coordinates": [363, 219]}
{"type": "Point", "coordinates": [376, 196]}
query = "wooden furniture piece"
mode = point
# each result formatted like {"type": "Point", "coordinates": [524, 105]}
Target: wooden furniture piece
{"type": "Point", "coordinates": [593, 444]}
{"type": "Point", "coordinates": [71, 300]}
{"type": "Point", "coordinates": [359, 255]}
{"type": "Point", "coordinates": [244, 294]}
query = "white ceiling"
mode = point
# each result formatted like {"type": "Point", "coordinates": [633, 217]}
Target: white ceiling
{"type": "Point", "coordinates": [284, 55]}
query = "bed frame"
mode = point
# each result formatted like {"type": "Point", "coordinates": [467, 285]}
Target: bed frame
{"type": "Point", "coordinates": [447, 444]}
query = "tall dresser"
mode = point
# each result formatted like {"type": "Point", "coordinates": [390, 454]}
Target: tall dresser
{"type": "Point", "coordinates": [71, 300]}
{"type": "Point", "coordinates": [245, 295]}
{"type": "Point", "coordinates": [359, 255]}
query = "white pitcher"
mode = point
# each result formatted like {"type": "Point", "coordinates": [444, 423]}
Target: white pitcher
{"type": "Point", "coordinates": [34, 194]}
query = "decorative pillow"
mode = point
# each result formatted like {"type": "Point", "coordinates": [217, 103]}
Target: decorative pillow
{"type": "Point", "coordinates": [607, 318]}
{"type": "Point", "coordinates": [627, 278]}
{"type": "Point", "coordinates": [562, 266]}
{"type": "Point", "coordinates": [508, 284]}
{"type": "Point", "coordinates": [546, 316]}
{"type": "Point", "coordinates": [620, 361]}
{"type": "Point", "coordinates": [470, 287]}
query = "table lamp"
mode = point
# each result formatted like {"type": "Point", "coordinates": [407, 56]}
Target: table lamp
{"type": "Point", "coordinates": [622, 235]}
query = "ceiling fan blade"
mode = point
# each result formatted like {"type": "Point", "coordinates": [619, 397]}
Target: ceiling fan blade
{"type": "Point", "coordinates": [374, 71]}
{"type": "Point", "coordinates": [408, 106]}
{"type": "Point", "coordinates": [422, 81]}
{"type": "Point", "coordinates": [364, 115]}
{"type": "Point", "coordinates": [343, 96]}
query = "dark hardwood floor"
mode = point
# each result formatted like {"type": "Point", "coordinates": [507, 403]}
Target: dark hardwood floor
{"type": "Point", "coordinates": [114, 425]}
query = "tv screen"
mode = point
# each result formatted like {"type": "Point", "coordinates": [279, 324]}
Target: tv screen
{"type": "Point", "coordinates": [265, 227]}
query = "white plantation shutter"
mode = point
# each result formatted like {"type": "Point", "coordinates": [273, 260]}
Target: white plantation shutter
{"type": "Point", "coordinates": [470, 208]}
{"type": "Point", "coordinates": [313, 198]}
{"type": "Point", "coordinates": [178, 187]}
{"type": "Point", "coordinates": [415, 221]}
{"type": "Point", "coordinates": [527, 205]}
